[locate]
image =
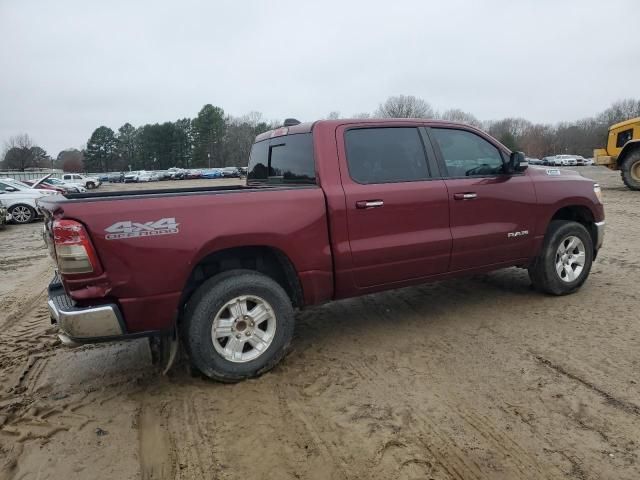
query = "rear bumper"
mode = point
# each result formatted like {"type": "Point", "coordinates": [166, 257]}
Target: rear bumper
{"type": "Point", "coordinates": [83, 324]}
{"type": "Point", "coordinates": [600, 234]}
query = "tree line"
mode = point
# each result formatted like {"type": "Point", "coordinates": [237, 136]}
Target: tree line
{"type": "Point", "coordinates": [214, 139]}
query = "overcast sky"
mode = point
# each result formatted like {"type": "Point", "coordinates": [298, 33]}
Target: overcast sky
{"type": "Point", "coordinates": [68, 67]}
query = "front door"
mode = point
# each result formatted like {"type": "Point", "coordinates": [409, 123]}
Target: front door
{"type": "Point", "coordinates": [397, 215]}
{"type": "Point", "coordinates": [491, 212]}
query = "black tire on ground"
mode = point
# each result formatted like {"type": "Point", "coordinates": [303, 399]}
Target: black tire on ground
{"type": "Point", "coordinates": [22, 213]}
{"type": "Point", "coordinates": [542, 271]}
{"type": "Point", "coordinates": [630, 170]}
{"type": "Point", "coordinates": [91, 185]}
{"type": "Point", "coordinates": [209, 299]}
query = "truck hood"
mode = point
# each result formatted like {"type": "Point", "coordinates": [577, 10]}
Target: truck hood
{"type": "Point", "coordinates": [551, 172]}
{"type": "Point", "coordinates": [39, 182]}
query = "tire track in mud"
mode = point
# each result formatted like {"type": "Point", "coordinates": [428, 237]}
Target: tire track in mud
{"type": "Point", "coordinates": [155, 447]}
{"type": "Point", "coordinates": [625, 406]}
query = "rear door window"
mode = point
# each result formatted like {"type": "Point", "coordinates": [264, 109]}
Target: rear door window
{"type": "Point", "coordinates": [283, 160]}
{"type": "Point", "coordinates": [385, 155]}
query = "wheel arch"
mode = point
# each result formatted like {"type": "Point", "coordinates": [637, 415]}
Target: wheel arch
{"type": "Point", "coordinates": [629, 148]}
{"type": "Point", "coordinates": [267, 260]}
{"type": "Point", "coordinates": [580, 214]}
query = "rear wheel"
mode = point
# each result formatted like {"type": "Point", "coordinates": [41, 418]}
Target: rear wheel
{"type": "Point", "coordinates": [238, 325]}
{"type": "Point", "coordinates": [565, 261]}
{"type": "Point", "coordinates": [91, 185]}
{"type": "Point", "coordinates": [22, 213]}
{"type": "Point", "coordinates": [630, 170]}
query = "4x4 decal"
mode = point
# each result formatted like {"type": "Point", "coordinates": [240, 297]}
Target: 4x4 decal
{"type": "Point", "coordinates": [129, 229]}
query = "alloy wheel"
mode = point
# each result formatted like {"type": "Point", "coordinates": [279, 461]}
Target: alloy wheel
{"type": "Point", "coordinates": [570, 259]}
{"type": "Point", "coordinates": [243, 328]}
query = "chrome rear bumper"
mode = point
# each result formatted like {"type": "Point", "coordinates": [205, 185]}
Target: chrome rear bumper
{"type": "Point", "coordinates": [83, 324]}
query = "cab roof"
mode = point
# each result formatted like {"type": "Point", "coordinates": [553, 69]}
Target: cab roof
{"type": "Point", "coordinates": [631, 121]}
{"type": "Point", "coordinates": [307, 127]}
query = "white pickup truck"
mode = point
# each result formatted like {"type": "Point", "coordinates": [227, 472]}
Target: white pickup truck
{"type": "Point", "coordinates": [77, 179]}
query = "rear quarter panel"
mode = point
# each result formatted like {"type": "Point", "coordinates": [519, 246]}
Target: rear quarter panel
{"type": "Point", "coordinates": [290, 220]}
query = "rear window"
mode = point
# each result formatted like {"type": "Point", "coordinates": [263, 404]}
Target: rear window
{"type": "Point", "coordinates": [282, 160]}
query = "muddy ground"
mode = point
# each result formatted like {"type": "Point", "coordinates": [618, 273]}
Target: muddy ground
{"type": "Point", "coordinates": [480, 378]}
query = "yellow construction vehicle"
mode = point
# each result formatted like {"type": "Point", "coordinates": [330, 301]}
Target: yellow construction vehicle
{"type": "Point", "coordinates": [623, 152]}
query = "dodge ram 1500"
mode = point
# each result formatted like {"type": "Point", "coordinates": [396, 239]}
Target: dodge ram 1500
{"type": "Point", "coordinates": [331, 209]}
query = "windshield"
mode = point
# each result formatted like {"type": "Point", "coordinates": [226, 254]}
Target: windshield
{"type": "Point", "coordinates": [282, 160]}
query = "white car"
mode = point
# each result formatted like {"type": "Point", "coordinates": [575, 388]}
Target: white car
{"type": "Point", "coordinates": [17, 184]}
{"type": "Point", "coordinates": [22, 204]}
{"type": "Point", "coordinates": [68, 186]}
{"type": "Point", "coordinates": [77, 179]}
{"type": "Point", "coordinates": [566, 160]}
{"type": "Point", "coordinates": [144, 176]}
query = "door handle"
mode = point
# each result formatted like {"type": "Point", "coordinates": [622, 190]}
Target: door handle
{"type": "Point", "coordinates": [465, 196]}
{"type": "Point", "coordinates": [366, 204]}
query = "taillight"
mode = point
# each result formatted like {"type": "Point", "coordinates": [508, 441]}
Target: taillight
{"type": "Point", "coordinates": [74, 251]}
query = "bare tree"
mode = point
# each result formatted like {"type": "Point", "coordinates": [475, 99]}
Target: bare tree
{"type": "Point", "coordinates": [361, 115]}
{"type": "Point", "coordinates": [21, 153]}
{"type": "Point", "coordinates": [333, 115]}
{"type": "Point", "coordinates": [405, 106]}
{"type": "Point", "coordinates": [457, 115]}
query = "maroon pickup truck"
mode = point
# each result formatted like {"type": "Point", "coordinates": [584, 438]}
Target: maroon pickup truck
{"type": "Point", "coordinates": [330, 209]}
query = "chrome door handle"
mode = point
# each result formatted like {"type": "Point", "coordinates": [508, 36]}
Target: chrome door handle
{"type": "Point", "coordinates": [465, 196]}
{"type": "Point", "coordinates": [364, 204]}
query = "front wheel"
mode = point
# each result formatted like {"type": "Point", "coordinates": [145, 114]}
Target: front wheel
{"type": "Point", "coordinates": [238, 325]}
{"type": "Point", "coordinates": [630, 170]}
{"type": "Point", "coordinates": [91, 185]}
{"type": "Point", "coordinates": [565, 261]}
{"type": "Point", "coordinates": [22, 213]}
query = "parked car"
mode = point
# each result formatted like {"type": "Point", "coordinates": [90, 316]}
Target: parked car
{"type": "Point", "coordinates": [533, 161]}
{"type": "Point", "coordinates": [116, 177]}
{"type": "Point", "coordinates": [45, 186]}
{"type": "Point", "coordinates": [4, 214]}
{"type": "Point", "coordinates": [131, 177]}
{"type": "Point", "coordinates": [231, 172]}
{"type": "Point", "coordinates": [103, 178]}
{"type": "Point", "coordinates": [340, 212]}
{"type": "Point", "coordinates": [50, 183]}
{"type": "Point", "coordinates": [550, 161]}
{"type": "Point", "coordinates": [21, 202]}
{"type": "Point", "coordinates": [243, 171]}
{"type": "Point", "coordinates": [566, 160]}
{"type": "Point", "coordinates": [213, 173]}
{"type": "Point", "coordinates": [191, 174]}
{"type": "Point", "coordinates": [176, 173]}
{"type": "Point", "coordinates": [22, 186]}
{"type": "Point", "coordinates": [144, 176]}
{"type": "Point", "coordinates": [76, 179]}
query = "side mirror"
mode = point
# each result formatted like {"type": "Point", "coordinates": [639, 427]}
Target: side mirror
{"type": "Point", "coordinates": [10, 189]}
{"type": "Point", "coordinates": [517, 163]}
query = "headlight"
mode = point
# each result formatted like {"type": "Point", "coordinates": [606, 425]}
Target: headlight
{"type": "Point", "coordinates": [598, 191]}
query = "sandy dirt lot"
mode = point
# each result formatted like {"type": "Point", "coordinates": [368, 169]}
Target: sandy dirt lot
{"type": "Point", "coordinates": [480, 378]}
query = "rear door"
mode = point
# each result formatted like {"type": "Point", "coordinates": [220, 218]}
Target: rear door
{"type": "Point", "coordinates": [491, 212]}
{"type": "Point", "coordinates": [397, 213]}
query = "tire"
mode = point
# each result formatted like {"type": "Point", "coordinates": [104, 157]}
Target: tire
{"type": "Point", "coordinates": [22, 213]}
{"type": "Point", "coordinates": [91, 185]}
{"type": "Point", "coordinates": [208, 306]}
{"type": "Point", "coordinates": [630, 170]}
{"type": "Point", "coordinates": [548, 273]}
